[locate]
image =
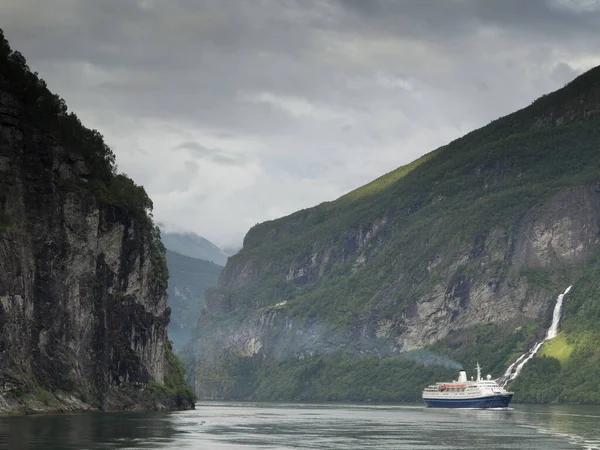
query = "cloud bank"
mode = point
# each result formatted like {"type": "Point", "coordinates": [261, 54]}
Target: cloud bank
{"type": "Point", "coordinates": [235, 112]}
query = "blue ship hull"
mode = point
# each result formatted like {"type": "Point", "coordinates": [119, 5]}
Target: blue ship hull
{"type": "Point", "coordinates": [492, 401]}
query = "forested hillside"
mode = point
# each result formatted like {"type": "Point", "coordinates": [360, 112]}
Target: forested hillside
{"type": "Point", "coordinates": [462, 253]}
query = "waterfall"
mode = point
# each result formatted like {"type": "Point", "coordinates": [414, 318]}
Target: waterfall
{"type": "Point", "coordinates": [510, 368]}
{"type": "Point", "coordinates": [553, 330]}
{"type": "Point", "coordinates": [515, 368]}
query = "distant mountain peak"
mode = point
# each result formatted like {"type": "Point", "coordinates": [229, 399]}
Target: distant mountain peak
{"type": "Point", "coordinates": [190, 244]}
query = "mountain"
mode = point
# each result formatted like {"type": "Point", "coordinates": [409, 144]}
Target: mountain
{"type": "Point", "coordinates": [194, 246]}
{"type": "Point", "coordinates": [455, 258]}
{"type": "Point", "coordinates": [83, 304]}
{"type": "Point", "coordinates": [189, 279]}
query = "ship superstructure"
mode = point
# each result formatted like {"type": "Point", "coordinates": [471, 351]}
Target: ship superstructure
{"type": "Point", "coordinates": [465, 393]}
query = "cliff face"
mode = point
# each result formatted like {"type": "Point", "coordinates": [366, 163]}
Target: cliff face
{"type": "Point", "coordinates": [484, 232]}
{"type": "Point", "coordinates": [470, 288]}
{"type": "Point", "coordinates": [83, 314]}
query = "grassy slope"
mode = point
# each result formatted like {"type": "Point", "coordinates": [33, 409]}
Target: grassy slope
{"type": "Point", "coordinates": [445, 200]}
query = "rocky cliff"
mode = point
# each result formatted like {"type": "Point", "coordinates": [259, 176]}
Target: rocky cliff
{"type": "Point", "coordinates": [462, 252]}
{"type": "Point", "coordinates": [83, 306]}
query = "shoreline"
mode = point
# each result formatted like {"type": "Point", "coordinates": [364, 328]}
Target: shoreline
{"type": "Point", "coordinates": [116, 400]}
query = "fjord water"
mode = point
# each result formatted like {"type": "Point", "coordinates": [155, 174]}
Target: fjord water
{"type": "Point", "coordinates": [295, 426]}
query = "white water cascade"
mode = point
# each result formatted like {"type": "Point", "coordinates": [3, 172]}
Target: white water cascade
{"type": "Point", "coordinates": [515, 368]}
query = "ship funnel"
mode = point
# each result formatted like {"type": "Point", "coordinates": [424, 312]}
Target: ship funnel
{"type": "Point", "coordinates": [462, 376]}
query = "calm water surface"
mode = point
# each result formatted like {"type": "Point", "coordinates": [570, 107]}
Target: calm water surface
{"type": "Point", "coordinates": [240, 426]}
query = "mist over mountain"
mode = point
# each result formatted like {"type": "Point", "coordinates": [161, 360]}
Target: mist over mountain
{"type": "Point", "coordinates": [231, 250]}
{"type": "Point", "coordinates": [195, 246]}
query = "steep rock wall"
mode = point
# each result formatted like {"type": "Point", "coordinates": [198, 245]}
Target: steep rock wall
{"type": "Point", "coordinates": [81, 312]}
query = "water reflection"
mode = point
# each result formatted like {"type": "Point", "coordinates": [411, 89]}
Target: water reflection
{"type": "Point", "coordinates": [88, 430]}
{"type": "Point", "coordinates": [578, 424]}
{"type": "Point", "coordinates": [252, 426]}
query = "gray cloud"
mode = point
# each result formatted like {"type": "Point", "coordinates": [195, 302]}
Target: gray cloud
{"type": "Point", "coordinates": [234, 112]}
{"type": "Point", "coordinates": [215, 155]}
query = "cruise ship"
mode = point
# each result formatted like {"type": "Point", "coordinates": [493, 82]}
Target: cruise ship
{"type": "Point", "coordinates": [465, 393]}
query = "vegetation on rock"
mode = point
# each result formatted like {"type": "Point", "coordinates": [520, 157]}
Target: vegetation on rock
{"type": "Point", "coordinates": [175, 385]}
{"type": "Point", "coordinates": [567, 369]}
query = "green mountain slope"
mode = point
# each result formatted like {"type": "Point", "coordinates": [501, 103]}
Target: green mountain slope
{"type": "Point", "coordinates": [189, 279]}
{"type": "Point", "coordinates": [462, 252]}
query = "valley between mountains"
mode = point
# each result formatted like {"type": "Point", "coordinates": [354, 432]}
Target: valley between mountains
{"type": "Point", "coordinates": [453, 259]}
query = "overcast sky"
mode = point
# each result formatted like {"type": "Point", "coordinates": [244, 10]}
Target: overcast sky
{"type": "Point", "coordinates": [232, 112]}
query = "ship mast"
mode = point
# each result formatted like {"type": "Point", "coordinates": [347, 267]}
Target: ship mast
{"type": "Point", "coordinates": [478, 367]}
